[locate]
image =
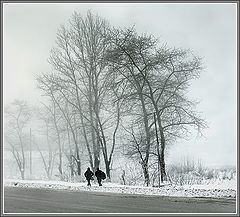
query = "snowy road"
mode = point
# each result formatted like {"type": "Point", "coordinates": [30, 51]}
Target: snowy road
{"type": "Point", "coordinates": [30, 200]}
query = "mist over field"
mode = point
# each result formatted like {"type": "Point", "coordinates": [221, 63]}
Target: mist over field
{"type": "Point", "coordinates": [141, 91]}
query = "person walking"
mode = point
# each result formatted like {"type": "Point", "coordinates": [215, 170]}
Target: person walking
{"type": "Point", "coordinates": [88, 174]}
{"type": "Point", "coordinates": [100, 176]}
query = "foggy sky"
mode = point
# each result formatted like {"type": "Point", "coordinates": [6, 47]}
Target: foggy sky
{"type": "Point", "coordinates": [29, 32]}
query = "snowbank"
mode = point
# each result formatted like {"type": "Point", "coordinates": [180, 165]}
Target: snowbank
{"type": "Point", "coordinates": [216, 191]}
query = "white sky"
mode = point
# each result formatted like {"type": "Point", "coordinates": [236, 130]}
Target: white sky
{"type": "Point", "coordinates": [29, 32]}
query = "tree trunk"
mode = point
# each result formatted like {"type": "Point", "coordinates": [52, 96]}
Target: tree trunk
{"type": "Point", "coordinates": [92, 122]}
{"type": "Point", "coordinates": [108, 174]}
{"type": "Point", "coordinates": [82, 122]}
{"type": "Point", "coordinates": [162, 166]}
{"type": "Point", "coordinates": [22, 170]}
{"type": "Point", "coordinates": [158, 151]}
{"type": "Point", "coordinates": [60, 152]}
{"type": "Point", "coordinates": [148, 142]}
{"type": "Point", "coordinates": [146, 173]}
{"type": "Point", "coordinates": [71, 155]}
{"type": "Point", "coordinates": [162, 151]}
{"type": "Point", "coordinates": [50, 157]}
{"type": "Point", "coordinates": [22, 174]}
{"type": "Point", "coordinates": [86, 139]}
{"type": "Point", "coordinates": [60, 164]}
{"type": "Point", "coordinates": [78, 163]}
{"type": "Point", "coordinates": [74, 133]}
{"type": "Point", "coordinates": [163, 144]}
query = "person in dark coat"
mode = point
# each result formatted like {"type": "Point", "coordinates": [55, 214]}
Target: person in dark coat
{"type": "Point", "coordinates": [88, 174]}
{"type": "Point", "coordinates": [100, 176]}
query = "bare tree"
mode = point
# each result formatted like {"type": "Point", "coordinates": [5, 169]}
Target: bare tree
{"type": "Point", "coordinates": [56, 121]}
{"type": "Point", "coordinates": [68, 116]}
{"type": "Point", "coordinates": [101, 73]}
{"type": "Point", "coordinates": [122, 63]}
{"type": "Point", "coordinates": [89, 46]}
{"type": "Point", "coordinates": [80, 78]}
{"type": "Point", "coordinates": [44, 115]}
{"type": "Point", "coordinates": [159, 78]}
{"type": "Point", "coordinates": [17, 116]}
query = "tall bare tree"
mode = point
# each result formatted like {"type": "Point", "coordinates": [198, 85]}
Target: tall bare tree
{"type": "Point", "coordinates": [158, 78]}
{"type": "Point", "coordinates": [80, 77]}
{"type": "Point", "coordinates": [101, 73]}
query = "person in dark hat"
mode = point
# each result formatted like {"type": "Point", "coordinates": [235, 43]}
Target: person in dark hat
{"type": "Point", "coordinates": [100, 176]}
{"type": "Point", "coordinates": [88, 174]}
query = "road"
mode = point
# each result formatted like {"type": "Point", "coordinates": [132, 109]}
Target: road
{"type": "Point", "coordinates": [30, 200]}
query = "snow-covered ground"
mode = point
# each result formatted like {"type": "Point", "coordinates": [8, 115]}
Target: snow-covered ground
{"type": "Point", "coordinates": [223, 189]}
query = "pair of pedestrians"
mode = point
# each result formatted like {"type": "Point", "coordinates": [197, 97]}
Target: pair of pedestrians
{"type": "Point", "coordinates": [99, 174]}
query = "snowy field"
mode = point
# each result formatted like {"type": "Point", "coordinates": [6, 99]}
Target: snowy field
{"type": "Point", "coordinates": [186, 182]}
{"type": "Point", "coordinates": [223, 189]}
